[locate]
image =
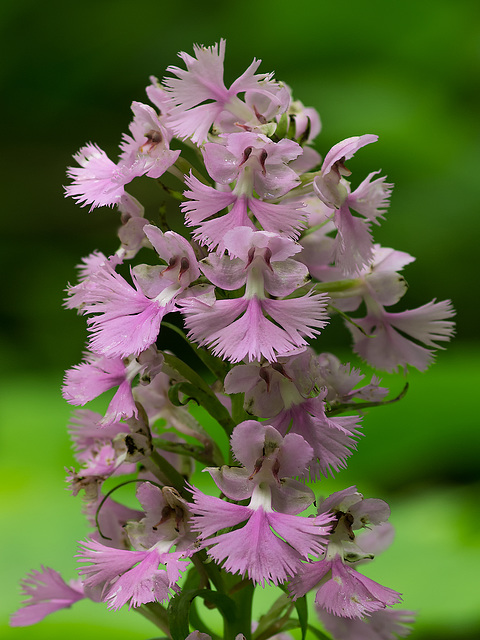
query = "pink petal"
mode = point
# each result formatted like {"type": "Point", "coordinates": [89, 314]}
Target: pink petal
{"type": "Point", "coordinates": [47, 592]}
{"type": "Point", "coordinates": [346, 149]}
{"type": "Point", "coordinates": [254, 550]}
{"type": "Point", "coordinates": [203, 201]}
{"type": "Point", "coordinates": [212, 514]}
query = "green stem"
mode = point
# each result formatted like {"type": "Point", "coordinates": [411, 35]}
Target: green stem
{"type": "Point", "coordinates": [238, 412]}
{"type": "Point", "coordinates": [338, 285]}
{"type": "Point", "coordinates": [242, 595]}
{"type": "Point", "coordinates": [186, 449]}
{"type": "Point", "coordinates": [316, 227]}
{"type": "Point", "coordinates": [216, 365]}
{"type": "Point", "coordinates": [163, 222]}
{"type": "Point", "coordinates": [200, 390]}
{"type": "Point", "coordinates": [349, 320]}
{"type": "Point", "coordinates": [184, 167]}
{"type": "Point", "coordinates": [213, 572]}
{"type": "Point", "coordinates": [167, 474]}
{"type": "Point", "coordinates": [173, 193]}
{"type": "Point", "coordinates": [359, 406]}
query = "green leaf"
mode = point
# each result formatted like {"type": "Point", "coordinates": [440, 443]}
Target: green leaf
{"type": "Point", "coordinates": [180, 604]}
{"type": "Point", "coordinates": [198, 624]}
{"type": "Point", "coordinates": [302, 612]}
{"type": "Point", "coordinates": [174, 395]}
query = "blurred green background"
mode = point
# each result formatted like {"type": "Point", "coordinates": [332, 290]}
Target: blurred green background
{"type": "Point", "coordinates": [408, 71]}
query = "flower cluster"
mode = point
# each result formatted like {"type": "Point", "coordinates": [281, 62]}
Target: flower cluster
{"type": "Point", "coordinates": [276, 243]}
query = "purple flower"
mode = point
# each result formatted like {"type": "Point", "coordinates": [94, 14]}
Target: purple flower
{"type": "Point", "coordinates": [343, 591]}
{"type": "Point", "coordinates": [269, 547]}
{"type": "Point", "coordinates": [341, 381]}
{"type": "Point", "coordinates": [126, 320]}
{"type": "Point", "coordinates": [254, 162]}
{"type": "Point", "coordinates": [147, 150]}
{"type": "Point", "coordinates": [131, 576]}
{"type": "Point", "coordinates": [385, 624]}
{"type": "Point", "coordinates": [353, 244]}
{"type": "Point", "coordinates": [270, 388]}
{"type": "Point", "coordinates": [86, 431]}
{"type": "Point", "coordinates": [166, 519]}
{"type": "Point", "coordinates": [270, 460]}
{"type": "Point", "coordinates": [98, 181]}
{"type": "Point", "coordinates": [332, 439]}
{"type": "Point", "coordinates": [46, 592]}
{"type": "Point", "coordinates": [97, 374]}
{"type": "Point", "coordinates": [199, 97]}
{"type": "Point", "coordinates": [239, 327]}
{"type": "Point", "coordinates": [386, 342]}
{"type": "Point", "coordinates": [259, 169]}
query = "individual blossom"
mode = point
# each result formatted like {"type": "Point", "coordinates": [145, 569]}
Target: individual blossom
{"type": "Point", "coordinates": [126, 320]}
{"type": "Point", "coordinates": [291, 394]}
{"type": "Point", "coordinates": [342, 380]}
{"type": "Point", "coordinates": [259, 172]}
{"type": "Point", "coordinates": [108, 519]}
{"type": "Point", "coordinates": [333, 439]}
{"type": "Point", "coordinates": [341, 589]}
{"type": "Point", "coordinates": [166, 518]}
{"type": "Point", "coordinates": [395, 338]}
{"type": "Point", "coordinates": [86, 431]}
{"type": "Point", "coordinates": [101, 461]}
{"type": "Point", "coordinates": [200, 99]}
{"type": "Point", "coordinates": [137, 576]}
{"type": "Point", "coordinates": [384, 624]}
{"type": "Point", "coordinates": [148, 145]}
{"type": "Point", "coordinates": [390, 340]}
{"type": "Point", "coordinates": [255, 325]}
{"type": "Point", "coordinates": [380, 281]}
{"type": "Point", "coordinates": [101, 182]}
{"type": "Point", "coordinates": [46, 592]}
{"type": "Point", "coordinates": [270, 388]}
{"type": "Point", "coordinates": [267, 458]}
{"type": "Point", "coordinates": [102, 451]}
{"type": "Point", "coordinates": [97, 374]}
{"type": "Point", "coordinates": [353, 244]}
{"type": "Point", "coordinates": [131, 576]}
{"type": "Point", "coordinates": [271, 544]}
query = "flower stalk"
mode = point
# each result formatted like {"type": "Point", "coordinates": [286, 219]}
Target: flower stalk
{"type": "Point", "coordinates": [276, 244]}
